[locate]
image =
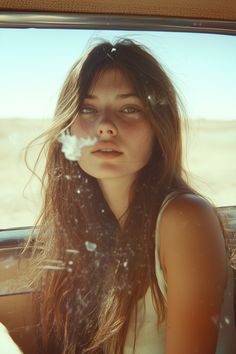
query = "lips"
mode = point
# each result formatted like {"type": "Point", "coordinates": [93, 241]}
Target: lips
{"type": "Point", "coordinates": [106, 148]}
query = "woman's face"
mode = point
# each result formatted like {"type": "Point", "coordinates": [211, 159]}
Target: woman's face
{"type": "Point", "coordinates": [114, 114]}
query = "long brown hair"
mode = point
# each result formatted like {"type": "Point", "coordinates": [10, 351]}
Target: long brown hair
{"type": "Point", "coordinates": [89, 272]}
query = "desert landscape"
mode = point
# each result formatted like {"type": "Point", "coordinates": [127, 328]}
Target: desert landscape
{"type": "Point", "coordinates": [209, 155]}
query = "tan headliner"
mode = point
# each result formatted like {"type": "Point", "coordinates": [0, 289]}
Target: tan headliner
{"type": "Point", "coordinates": [201, 9]}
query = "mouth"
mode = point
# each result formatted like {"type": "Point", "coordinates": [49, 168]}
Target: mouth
{"type": "Point", "coordinates": [107, 150]}
{"type": "Point", "coordinates": [106, 147]}
{"type": "Point", "coordinates": [106, 153]}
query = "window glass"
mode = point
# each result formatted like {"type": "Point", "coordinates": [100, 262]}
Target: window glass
{"type": "Point", "coordinates": [34, 64]}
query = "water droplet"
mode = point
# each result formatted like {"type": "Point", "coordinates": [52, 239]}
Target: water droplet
{"type": "Point", "coordinates": [78, 191]}
{"type": "Point", "coordinates": [102, 211]}
{"type": "Point", "coordinates": [51, 267]}
{"type": "Point", "coordinates": [70, 262]}
{"type": "Point", "coordinates": [125, 264]}
{"type": "Point", "coordinates": [227, 320]}
{"type": "Point", "coordinates": [113, 50]}
{"type": "Point", "coordinates": [67, 177]}
{"type": "Point", "coordinates": [68, 250]}
{"type": "Point", "coordinates": [90, 246]}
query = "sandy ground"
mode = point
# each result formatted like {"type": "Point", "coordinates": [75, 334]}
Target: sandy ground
{"type": "Point", "coordinates": [210, 159]}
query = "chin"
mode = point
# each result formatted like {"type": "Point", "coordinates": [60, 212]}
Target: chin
{"type": "Point", "coordinates": [109, 170]}
{"type": "Point", "coordinates": [107, 173]}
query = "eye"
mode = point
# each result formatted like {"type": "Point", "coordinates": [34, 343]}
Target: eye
{"type": "Point", "coordinates": [87, 110]}
{"type": "Point", "coordinates": [131, 110]}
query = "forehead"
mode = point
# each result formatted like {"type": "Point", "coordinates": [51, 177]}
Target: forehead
{"type": "Point", "coordinates": [111, 79]}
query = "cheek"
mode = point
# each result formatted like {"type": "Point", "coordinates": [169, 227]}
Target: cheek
{"type": "Point", "coordinates": [146, 146]}
{"type": "Point", "coordinates": [81, 128]}
{"type": "Point", "coordinates": [144, 139]}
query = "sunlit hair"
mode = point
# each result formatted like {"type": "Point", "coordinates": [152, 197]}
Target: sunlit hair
{"type": "Point", "coordinates": [90, 272]}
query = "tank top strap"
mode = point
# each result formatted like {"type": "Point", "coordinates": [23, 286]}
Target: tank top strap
{"type": "Point", "coordinates": [159, 272]}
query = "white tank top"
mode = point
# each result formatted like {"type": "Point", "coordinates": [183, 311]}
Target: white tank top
{"type": "Point", "coordinates": [150, 339]}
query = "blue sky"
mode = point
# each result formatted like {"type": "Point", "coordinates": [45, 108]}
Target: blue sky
{"type": "Point", "coordinates": [34, 64]}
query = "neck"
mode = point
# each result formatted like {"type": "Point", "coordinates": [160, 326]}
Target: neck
{"type": "Point", "coordinates": [116, 191]}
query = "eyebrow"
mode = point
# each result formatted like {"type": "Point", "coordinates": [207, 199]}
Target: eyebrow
{"type": "Point", "coordinates": [121, 95]}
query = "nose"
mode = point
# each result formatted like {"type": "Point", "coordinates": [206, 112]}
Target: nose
{"type": "Point", "coordinates": [106, 129]}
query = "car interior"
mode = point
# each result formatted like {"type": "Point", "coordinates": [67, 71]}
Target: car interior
{"type": "Point", "coordinates": [203, 16]}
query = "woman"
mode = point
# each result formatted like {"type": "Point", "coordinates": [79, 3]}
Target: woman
{"type": "Point", "coordinates": [128, 258]}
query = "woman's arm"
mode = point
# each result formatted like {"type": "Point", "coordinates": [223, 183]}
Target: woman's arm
{"type": "Point", "coordinates": [194, 257]}
{"type": "Point", "coordinates": [7, 345]}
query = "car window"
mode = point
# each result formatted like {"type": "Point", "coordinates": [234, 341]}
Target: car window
{"type": "Point", "coordinates": [33, 65]}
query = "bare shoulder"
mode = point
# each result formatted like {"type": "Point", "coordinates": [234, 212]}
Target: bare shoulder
{"type": "Point", "coordinates": [193, 255]}
{"type": "Point", "coordinates": [188, 211]}
{"type": "Point", "coordinates": [188, 205]}
{"type": "Point", "coordinates": [188, 225]}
